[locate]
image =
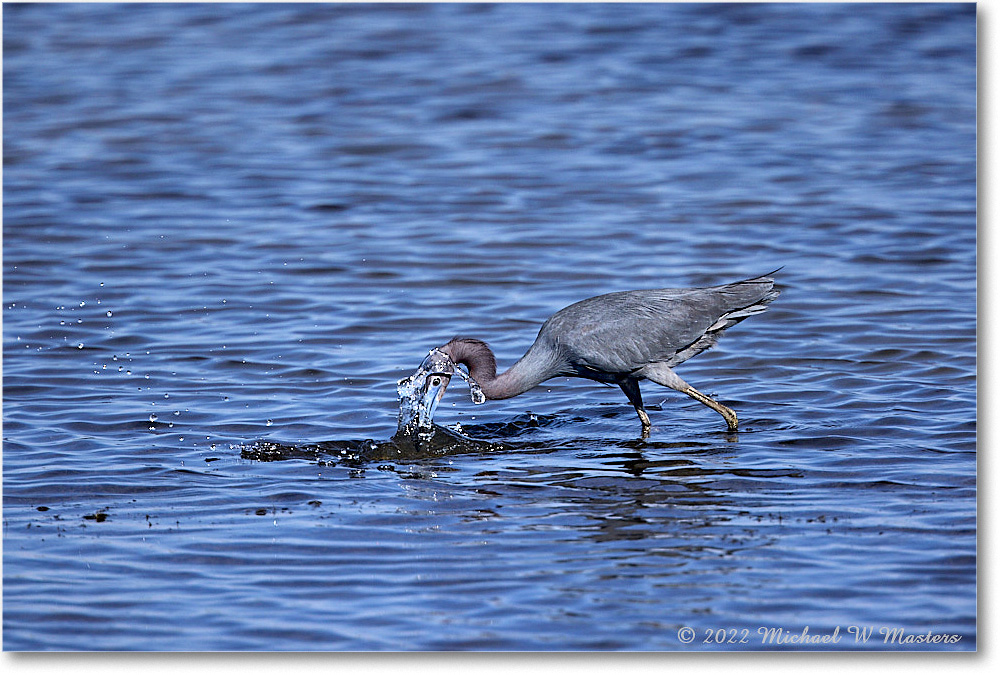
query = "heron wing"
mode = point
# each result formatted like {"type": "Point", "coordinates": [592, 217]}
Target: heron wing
{"type": "Point", "coordinates": [619, 333]}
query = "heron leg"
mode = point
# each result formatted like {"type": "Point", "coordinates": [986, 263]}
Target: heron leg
{"type": "Point", "coordinates": [727, 413]}
{"type": "Point", "coordinates": [631, 388]}
{"type": "Point", "coordinates": [663, 375]}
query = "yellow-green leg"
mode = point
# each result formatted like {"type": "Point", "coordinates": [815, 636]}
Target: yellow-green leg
{"type": "Point", "coordinates": [663, 375]}
{"type": "Point", "coordinates": [726, 413]}
{"type": "Point", "coordinates": [631, 389]}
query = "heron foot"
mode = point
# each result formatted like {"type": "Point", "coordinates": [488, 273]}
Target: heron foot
{"type": "Point", "coordinates": [644, 418]}
{"type": "Point", "coordinates": [731, 420]}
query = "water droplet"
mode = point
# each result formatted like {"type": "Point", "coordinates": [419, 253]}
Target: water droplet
{"type": "Point", "coordinates": [83, 304]}
{"type": "Point", "coordinates": [166, 396]}
{"type": "Point", "coordinates": [121, 368]}
{"type": "Point", "coordinates": [146, 376]}
{"type": "Point", "coordinates": [152, 418]}
{"type": "Point", "coordinates": [109, 312]}
{"type": "Point", "coordinates": [177, 412]}
{"type": "Point", "coordinates": [182, 438]}
{"type": "Point", "coordinates": [80, 346]}
{"type": "Point", "coordinates": [270, 422]}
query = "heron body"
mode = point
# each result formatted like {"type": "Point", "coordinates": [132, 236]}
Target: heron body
{"type": "Point", "coordinates": [623, 338]}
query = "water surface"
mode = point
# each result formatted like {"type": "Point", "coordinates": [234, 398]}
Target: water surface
{"type": "Point", "coordinates": [229, 230]}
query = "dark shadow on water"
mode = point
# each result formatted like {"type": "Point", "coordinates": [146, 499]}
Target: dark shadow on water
{"type": "Point", "coordinates": [524, 433]}
{"type": "Point", "coordinates": [510, 436]}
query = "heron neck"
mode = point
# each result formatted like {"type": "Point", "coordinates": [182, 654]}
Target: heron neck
{"type": "Point", "coordinates": [540, 363]}
{"type": "Point", "coordinates": [532, 369]}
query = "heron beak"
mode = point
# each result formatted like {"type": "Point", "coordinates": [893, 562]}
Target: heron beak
{"type": "Point", "coordinates": [420, 393]}
{"type": "Point", "coordinates": [433, 390]}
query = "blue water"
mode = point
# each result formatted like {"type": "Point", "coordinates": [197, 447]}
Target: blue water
{"type": "Point", "coordinates": [230, 229]}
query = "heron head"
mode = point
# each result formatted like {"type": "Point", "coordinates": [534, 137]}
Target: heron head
{"type": "Point", "coordinates": [420, 393]}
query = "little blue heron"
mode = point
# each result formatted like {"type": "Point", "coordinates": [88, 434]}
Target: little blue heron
{"type": "Point", "coordinates": [620, 338]}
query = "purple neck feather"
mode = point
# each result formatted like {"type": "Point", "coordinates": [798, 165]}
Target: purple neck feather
{"type": "Point", "coordinates": [477, 356]}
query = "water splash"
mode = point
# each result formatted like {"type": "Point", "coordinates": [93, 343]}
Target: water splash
{"type": "Point", "coordinates": [478, 397]}
{"type": "Point", "coordinates": [420, 393]}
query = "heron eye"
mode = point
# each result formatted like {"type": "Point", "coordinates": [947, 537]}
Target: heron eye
{"type": "Point", "coordinates": [435, 381]}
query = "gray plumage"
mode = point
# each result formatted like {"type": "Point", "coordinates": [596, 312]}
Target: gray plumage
{"type": "Point", "coordinates": [623, 338]}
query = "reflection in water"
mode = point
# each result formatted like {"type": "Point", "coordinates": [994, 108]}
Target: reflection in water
{"type": "Point", "coordinates": [670, 514]}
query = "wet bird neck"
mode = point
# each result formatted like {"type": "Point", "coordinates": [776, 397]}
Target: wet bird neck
{"type": "Point", "coordinates": [514, 381]}
{"type": "Point", "coordinates": [531, 370]}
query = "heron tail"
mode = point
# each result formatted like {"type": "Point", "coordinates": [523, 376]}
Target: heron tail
{"type": "Point", "coordinates": [747, 298]}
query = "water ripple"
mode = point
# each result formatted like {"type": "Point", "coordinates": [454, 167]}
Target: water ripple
{"type": "Point", "coordinates": [229, 230]}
